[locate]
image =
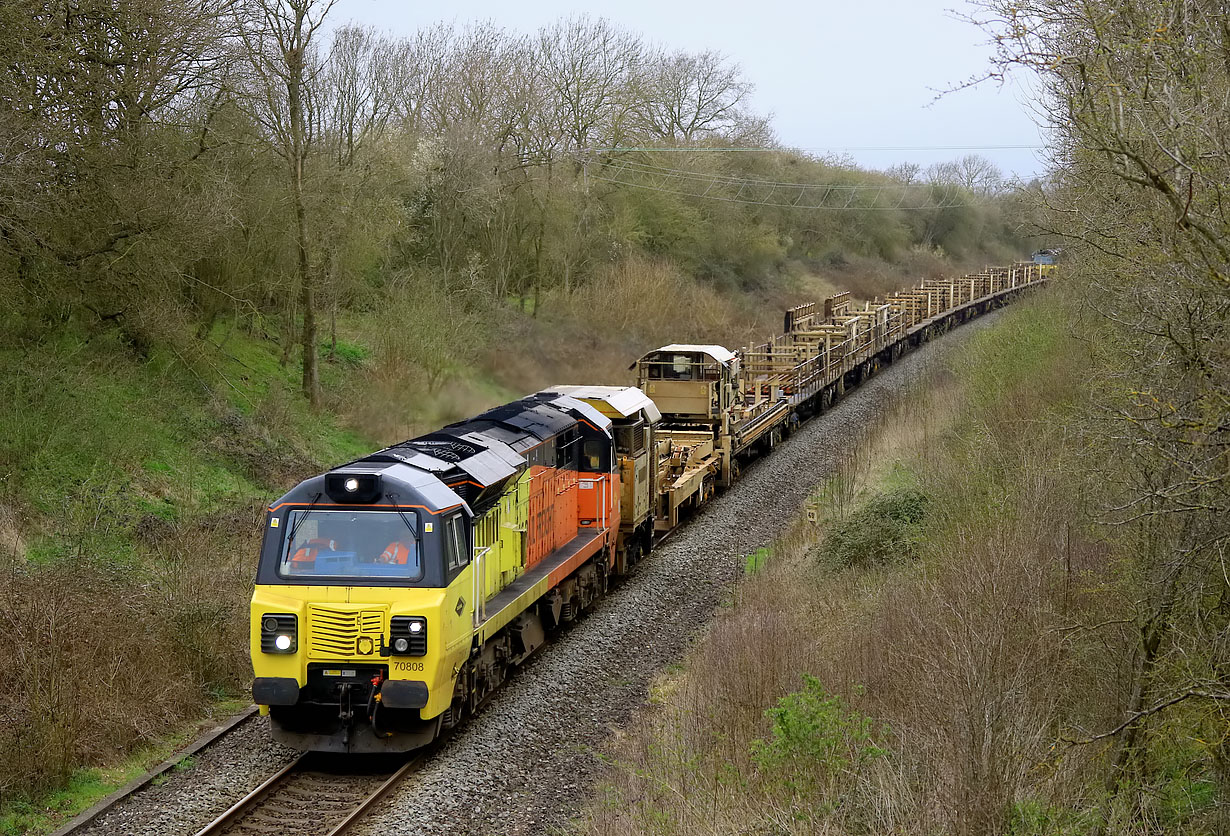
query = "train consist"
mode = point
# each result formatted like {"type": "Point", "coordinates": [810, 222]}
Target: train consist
{"type": "Point", "coordinates": [395, 593]}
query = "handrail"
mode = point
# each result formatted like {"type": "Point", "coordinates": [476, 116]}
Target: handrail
{"type": "Point", "coordinates": [479, 566]}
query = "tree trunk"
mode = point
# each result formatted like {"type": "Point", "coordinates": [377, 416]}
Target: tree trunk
{"type": "Point", "coordinates": [1125, 754]}
{"type": "Point", "coordinates": [298, 138]}
{"type": "Point", "coordinates": [311, 374]}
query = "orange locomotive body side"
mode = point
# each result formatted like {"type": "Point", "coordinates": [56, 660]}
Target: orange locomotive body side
{"type": "Point", "coordinates": [564, 515]}
{"type": "Point", "coordinates": [552, 514]}
{"type": "Point", "coordinates": [537, 544]}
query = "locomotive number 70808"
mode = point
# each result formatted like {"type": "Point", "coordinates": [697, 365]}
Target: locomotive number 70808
{"type": "Point", "coordinates": [407, 666]}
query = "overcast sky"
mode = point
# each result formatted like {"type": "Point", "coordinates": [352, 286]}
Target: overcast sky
{"type": "Point", "coordinates": [856, 75]}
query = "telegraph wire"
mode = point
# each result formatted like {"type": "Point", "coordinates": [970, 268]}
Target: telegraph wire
{"type": "Point", "coordinates": [694, 175]}
{"type": "Point", "coordinates": [754, 191]}
{"type": "Point", "coordinates": [798, 203]}
{"type": "Point", "coordinates": [784, 150]}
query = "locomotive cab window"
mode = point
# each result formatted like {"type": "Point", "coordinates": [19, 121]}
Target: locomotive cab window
{"type": "Point", "coordinates": [567, 451]}
{"type": "Point", "coordinates": [596, 456]}
{"type": "Point", "coordinates": [456, 555]}
{"type": "Point", "coordinates": [682, 367]}
{"type": "Point", "coordinates": [351, 545]}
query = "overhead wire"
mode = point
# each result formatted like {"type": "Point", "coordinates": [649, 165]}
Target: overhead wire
{"type": "Point", "coordinates": [641, 174]}
{"type": "Point", "coordinates": [647, 176]}
{"type": "Point", "coordinates": [796, 204]}
{"type": "Point", "coordinates": [727, 178]}
{"type": "Point", "coordinates": [785, 150]}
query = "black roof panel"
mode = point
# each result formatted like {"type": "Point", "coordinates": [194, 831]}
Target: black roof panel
{"type": "Point", "coordinates": [540, 419]}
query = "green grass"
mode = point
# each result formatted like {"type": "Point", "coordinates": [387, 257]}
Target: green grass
{"type": "Point", "coordinates": [85, 788]}
{"type": "Point", "coordinates": [1037, 817]}
{"type": "Point", "coordinates": [1006, 365]}
{"type": "Point", "coordinates": [348, 353]}
{"type": "Point", "coordinates": [755, 561]}
{"type": "Point", "coordinates": [98, 439]}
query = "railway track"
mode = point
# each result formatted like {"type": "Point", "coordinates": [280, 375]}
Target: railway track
{"type": "Point", "coordinates": [314, 795]}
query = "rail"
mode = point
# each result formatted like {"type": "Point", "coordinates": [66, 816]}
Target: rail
{"type": "Point", "coordinates": [297, 781]}
{"type": "Point", "coordinates": [87, 816]}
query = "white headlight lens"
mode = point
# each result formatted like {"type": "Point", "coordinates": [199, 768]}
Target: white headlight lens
{"type": "Point", "coordinates": [352, 485]}
{"type": "Point", "coordinates": [282, 642]}
{"type": "Point", "coordinates": [401, 645]}
{"type": "Point", "coordinates": [416, 626]}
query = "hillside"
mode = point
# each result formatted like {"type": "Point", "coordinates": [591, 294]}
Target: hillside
{"type": "Point", "coordinates": [135, 478]}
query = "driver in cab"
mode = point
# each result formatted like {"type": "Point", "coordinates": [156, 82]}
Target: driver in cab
{"type": "Point", "coordinates": [397, 553]}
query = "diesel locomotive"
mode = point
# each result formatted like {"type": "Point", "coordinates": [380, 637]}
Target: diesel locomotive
{"type": "Point", "coordinates": [395, 593]}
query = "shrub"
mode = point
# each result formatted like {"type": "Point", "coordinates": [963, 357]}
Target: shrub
{"type": "Point", "coordinates": [885, 529]}
{"type": "Point", "coordinates": [96, 658]}
{"type": "Point", "coordinates": [814, 735]}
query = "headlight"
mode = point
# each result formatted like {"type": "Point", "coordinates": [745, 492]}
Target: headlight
{"type": "Point", "coordinates": [279, 633]}
{"type": "Point", "coordinates": [408, 635]}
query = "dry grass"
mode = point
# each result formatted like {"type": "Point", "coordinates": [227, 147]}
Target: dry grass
{"type": "Point", "coordinates": [633, 306]}
{"type": "Point", "coordinates": [95, 658]}
{"type": "Point", "coordinates": [454, 354]}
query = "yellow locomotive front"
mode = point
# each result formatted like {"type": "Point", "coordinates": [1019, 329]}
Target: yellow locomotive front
{"type": "Point", "coordinates": [395, 593]}
{"type": "Point", "coordinates": [360, 619]}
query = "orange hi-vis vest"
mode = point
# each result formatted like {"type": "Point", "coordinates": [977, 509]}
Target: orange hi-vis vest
{"type": "Point", "coordinates": [307, 554]}
{"type": "Point", "coordinates": [397, 553]}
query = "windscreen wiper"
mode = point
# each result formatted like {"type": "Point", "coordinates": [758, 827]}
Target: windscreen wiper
{"type": "Point", "coordinates": [402, 514]}
{"type": "Point", "coordinates": [290, 538]}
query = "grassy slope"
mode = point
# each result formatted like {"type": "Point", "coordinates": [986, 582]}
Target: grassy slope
{"type": "Point", "coordinates": [163, 439]}
{"type": "Point", "coordinates": [130, 493]}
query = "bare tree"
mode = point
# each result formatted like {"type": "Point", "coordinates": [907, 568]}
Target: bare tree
{"type": "Point", "coordinates": [1136, 90]}
{"type": "Point", "coordinates": [278, 39]}
{"type": "Point", "coordinates": [415, 68]}
{"type": "Point", "coordinates": [587, 66]}
{"type": "Point", "coordinates": [979, 175]}
{"type": "Point", "coordinates": [689, 97]}
{"type": "Point", "coordinates": [907, 173]}
{"type": "Point", "coordinates": [470, 95]}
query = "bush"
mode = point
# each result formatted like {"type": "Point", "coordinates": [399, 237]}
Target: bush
{"type": "Point", "coordinates": [815, 742]}
{"type": "Point", "coordinates": [885, 529]}
{"type": "Point", "coordinates": [98, 658]}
